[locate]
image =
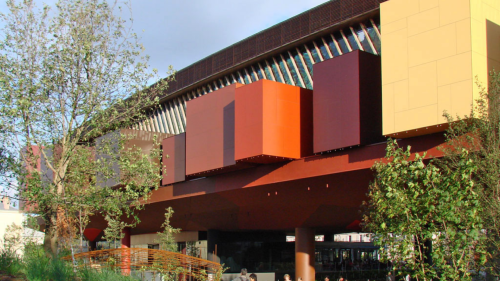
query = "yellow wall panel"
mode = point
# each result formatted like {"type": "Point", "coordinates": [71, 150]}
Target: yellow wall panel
{"type": "Point", "coordinates": [454, 69]}
{"type": "Point", "coordinates": [490, 12]}
{"type": "Point", "coordinates": [444, 100]}
{"type": "Point", "coordinates": [394, 26]}
{"type": "Point", "coordinates": [479, 72]}
{"type": "Point", "coordinates": [435, 55]}
{"type": "Point", "coordinates": [475, 9]}
{"type": "Point", "coordinates": [423, 85]}
{"type": "Point", "coordinates": [415, 118]}
{"type": "Point", "coordinates": [464, 43]}
{"type": "Point", "coordinates": [401, 98]}
{"type": "Point", "coordinates": [399, 9]}
{"type": "Point", "coordinates": [461, 98]}
{"type": "Point", "coordinates": [432, 45]}
{"type": "Point", "coordinates": [427, 4]}
{"type": "Point", "coordinates": [478, 36]}
{"type": "Point", "coordinates": [388, 109]}
{"type": "Point", "coordinates": [395, 68]}
{"type": "Point", "coordinates": [424, 21]}
{"type": "Point", "coordinates": [453, 10]}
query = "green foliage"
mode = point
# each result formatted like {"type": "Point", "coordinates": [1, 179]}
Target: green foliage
{"type": "Point", "coordinates": [36, 264]}
{"type": "Point", "coordinates": [166, 238]}
{"type": "Point", "coordinates": [426, 215]}
{"type": "Point", "coordinates": [70, 74]}
{"type": "Point", "coordinates": [479, 135]}
{"type": "Point", "coordinates": [89, 274]}
{"type": "Point", "coordinates": [10, 263]}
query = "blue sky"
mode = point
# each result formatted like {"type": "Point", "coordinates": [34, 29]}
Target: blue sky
{"type": "Point", "coordinates": [179, 33]}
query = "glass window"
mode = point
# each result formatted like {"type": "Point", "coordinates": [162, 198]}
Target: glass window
{"type": "Point", "coordinates": [307, 59]}
{"type": "Point", "coordinates": [258, 71]}
{"type": "Point", "coordinates": [293, 70]}
{"type": "Point", "coordinates": [331, 44]}
{"type": "Point", "coordinates": [240, 77]}
{"type": "Point", "coordinates": [183, 124]}
{"type": "Point", "coordinates": [218, 84]}
{"type": "Point", "coordinates": [163, 128]}
{"type": "Point", "coordinates": [322, 49]}
{"type": "Point", "coordinates": [363, 40]}
{"type": "Point", "coordinates": [252, 74]}
{"type": "Point", "coordinates": [276, 72]}
{"type": "Point", "coordinates": [377, 23]}
{"type": "Point", "coordinates": [268, 71]}
{"type": "Point", "coordinates": [283, 70]}
{"type": "Point", "coordinates": [352, 40]}
{"type": "Point", "coordinates": [172, 118]}
{"type": "Point", "coordinates": [245, 77]}
{"type": "Point", "coordinates": [313, 51]}
{"type": "Point", "coordinates": [373, 36]}
{"type": "Point", "coordinates": [342, 43]}
{"type": "Point", "coordinates": [302, 69]}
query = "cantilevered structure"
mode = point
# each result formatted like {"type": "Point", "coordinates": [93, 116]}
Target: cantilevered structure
{"type": "Point", "coordinates": [275, 135]}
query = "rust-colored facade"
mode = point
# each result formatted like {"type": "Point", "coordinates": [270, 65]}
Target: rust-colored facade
{"type": "Point", "coordinates": [276, 135]}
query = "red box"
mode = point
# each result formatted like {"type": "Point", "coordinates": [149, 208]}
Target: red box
{"type": "Point", "coordinates": [210, 131]}
{"type": "Point", "coordinates": [174, 159]}
{"type": "Point", "coordinates": [273, 122]}
{"type": "Point", "coordinates": [347, 101]}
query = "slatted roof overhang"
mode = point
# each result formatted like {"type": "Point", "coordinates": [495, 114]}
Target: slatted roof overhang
{"type": "Point", "coordinates": [315, 22]}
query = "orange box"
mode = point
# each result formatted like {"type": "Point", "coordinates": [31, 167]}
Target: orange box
{"type": "Point", "coordinates": [210, 131]}
{"type": "Point", "coordinates": [273, 122]}
{"type": "Point", "coordinates": [174, 159]}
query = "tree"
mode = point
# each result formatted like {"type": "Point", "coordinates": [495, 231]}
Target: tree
{"type": "Point", "coordinates": [426, 215]}
{"type": "Point", "coordinates": [166, 238]}
{"type": "Point", "coordinates": [479, 135]}
{"type": "Point", "coordinates": [69, 76]}
{"type": "Point", "coordinates": [456, 204]}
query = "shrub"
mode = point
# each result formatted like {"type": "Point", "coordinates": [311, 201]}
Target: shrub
{"type": "Point", "coordinates": [89, 274]}
{"type": "Point", "coordinates": [10, 263]}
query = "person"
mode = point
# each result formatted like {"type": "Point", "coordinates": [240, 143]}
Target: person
{"type": "Point", "coordinates": [253, 277]}
{"type": "Point", "coordinates": [300, 279]}
{"type": "Point", "coordinates": [243, 276]}
{"type": "Point", "coordinates": [327, 278]}
{"type": "Point", "coordinates": [341, 278]}
{"type": "Point", "coordinates": [287, 277]}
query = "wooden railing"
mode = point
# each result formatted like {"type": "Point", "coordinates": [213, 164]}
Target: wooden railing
{"type": "Point", "coordinates": [159, 261]}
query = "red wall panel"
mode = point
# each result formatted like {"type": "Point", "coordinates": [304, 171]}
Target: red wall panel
{"type": "Point", "coordinates": [174, 159]}
{"type": "Point", "coordinates": [210, 131]}
{"type": "Point", "coordinates": [347, 101]}
{"type": "Point", "coordinates": [273, 122]}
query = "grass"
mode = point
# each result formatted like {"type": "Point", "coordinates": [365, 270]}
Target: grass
{"type": "Point", "coordinates": [37, 266]}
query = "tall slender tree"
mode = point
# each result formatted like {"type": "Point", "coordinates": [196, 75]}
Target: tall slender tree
{"type": "Point", "coordinates": [68, 75]}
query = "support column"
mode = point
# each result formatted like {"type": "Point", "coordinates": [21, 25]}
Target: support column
{"type": "Point", "coordinates": [93, 245]}
{"type": "Point", "coordinates": [126, 254]}
{"type": "Point", "coordinates": [126, 238]}
{"type": "Point", "coordinates": [212, 245]}
{"type": "Point", "coordinates": [304, 254]}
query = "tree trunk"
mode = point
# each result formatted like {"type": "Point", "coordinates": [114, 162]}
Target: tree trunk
{"type": "Point", "coordinates": [50, 240]}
